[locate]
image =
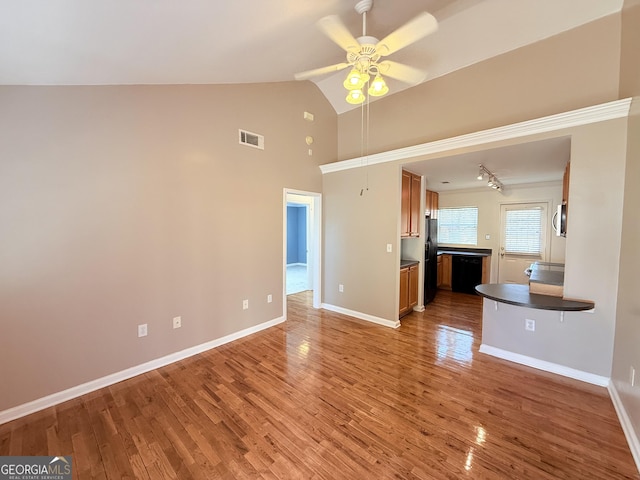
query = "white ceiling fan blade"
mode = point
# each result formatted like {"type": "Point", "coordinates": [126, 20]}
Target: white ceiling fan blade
{"type": "Point", "coordinates": [402, 72]}
{"type": "Point", "coordinates": [412, 31]}
{"type": "Point", "coordinates": [320, 71]}
{"type": "Point", "coordinates": [333, 28]}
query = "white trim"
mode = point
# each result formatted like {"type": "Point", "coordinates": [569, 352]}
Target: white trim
{"type": "Point", "coordinates": [574, 118]}
{"type": "Point", "coordinates": [627, 425]}
{"type": "Point", "coordinates": [362, 316]}
{"type": "Point", "coordinates": [79, 390]}
{"type": "Point", "coordinates": [545, 366]}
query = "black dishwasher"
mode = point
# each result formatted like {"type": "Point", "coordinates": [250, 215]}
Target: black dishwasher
{"type": "Point", "coordinates": [466, 273]}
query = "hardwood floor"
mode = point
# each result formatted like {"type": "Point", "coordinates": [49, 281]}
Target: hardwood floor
{"type": "Point", "coordinates": [323, 396]}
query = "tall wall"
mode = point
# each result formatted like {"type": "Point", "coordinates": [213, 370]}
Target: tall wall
{"type": "Point", "coordinates": [626, 353]}
{"type": "Point", "coordinates": [571, 70]}
{"type": "Point", "coordinates": [128, 205]}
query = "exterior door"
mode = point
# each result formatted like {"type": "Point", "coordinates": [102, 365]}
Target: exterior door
{"type": "Point", "coordinates": [523, 240]}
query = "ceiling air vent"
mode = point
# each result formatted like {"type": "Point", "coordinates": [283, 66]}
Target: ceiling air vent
{"type": "Point", "coordinates": [251, 139]}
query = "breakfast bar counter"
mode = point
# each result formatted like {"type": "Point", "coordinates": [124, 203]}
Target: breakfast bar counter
{"type": "Point", "coordinates": [515, 294]}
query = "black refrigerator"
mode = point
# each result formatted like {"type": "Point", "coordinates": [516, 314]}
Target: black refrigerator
{"type": "Point", "coordinates": [430, 259]}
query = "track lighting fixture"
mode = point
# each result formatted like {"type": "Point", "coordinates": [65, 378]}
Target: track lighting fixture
{"type": "Point", "coordinates": [492, 181]}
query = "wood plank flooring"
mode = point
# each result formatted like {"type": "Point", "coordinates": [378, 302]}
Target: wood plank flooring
{"type": "Point", "coordinates": [323, 396]}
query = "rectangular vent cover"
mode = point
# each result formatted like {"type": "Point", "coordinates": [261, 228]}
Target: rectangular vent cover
{"type": "Point", "coordinates": [251, 139]}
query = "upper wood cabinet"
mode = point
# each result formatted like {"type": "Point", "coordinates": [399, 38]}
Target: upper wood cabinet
{"type": "Point", "coordinates": [410, 208]}
{"type": "Point", "coordinates": [431, 204]}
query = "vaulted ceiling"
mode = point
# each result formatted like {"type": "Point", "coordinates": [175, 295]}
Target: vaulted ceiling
{"type": "Point", "coordinates": [111, 42]}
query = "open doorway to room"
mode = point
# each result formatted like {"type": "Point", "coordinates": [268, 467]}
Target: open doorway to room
{"type": "Point", "coordinates": [301, 245]}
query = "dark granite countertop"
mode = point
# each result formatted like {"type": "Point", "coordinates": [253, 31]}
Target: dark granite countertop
{"type": "Point", "coordinates": [476, 252]}
{"type": "Point", "coordinates": [408, 263]}
{"type": "Point", "coordinates": [514, 294]}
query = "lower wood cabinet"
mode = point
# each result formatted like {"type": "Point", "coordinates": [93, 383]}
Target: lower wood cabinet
{"type": "Point", "coordinates": [409, 283]}
{"type": "Point", "coordinates": [444, 266]}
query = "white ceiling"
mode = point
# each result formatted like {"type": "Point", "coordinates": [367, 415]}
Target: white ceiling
{"type": "Point", "coordinates": [122, 42]}
{"type": "Point", "coordinates": [533, 162]}
{"type": "Point", "coordinates": [113, 42]}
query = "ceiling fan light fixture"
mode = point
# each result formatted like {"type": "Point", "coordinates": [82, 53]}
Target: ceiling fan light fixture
{"type": "Point", "coordinates": [355, 80]}
{"type": "Point", "coordinates": [378, 87]}
{"type": "Point", "coordinates": [355, 97]}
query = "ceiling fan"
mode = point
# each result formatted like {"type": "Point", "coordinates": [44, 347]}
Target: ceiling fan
{"type": "Point", "coordinates": [365, 52]}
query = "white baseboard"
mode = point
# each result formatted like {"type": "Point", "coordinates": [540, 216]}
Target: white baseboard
{"type": "Point", "coordinates": [545, 366]}
{"type": "Point", "coordinates": [73, 392]}
{"type": "Point", "coordinates": [362, 316]}
{"type": "Point", "coordinates": [625, 422]}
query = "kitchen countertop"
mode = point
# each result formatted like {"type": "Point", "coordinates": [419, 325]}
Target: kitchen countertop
{"type": "Point", "coordinates": [515, 294]}
{"type": "Point", "coordinates": [408, 263]}
{"type": "Point", "coordinates": [476, 252]}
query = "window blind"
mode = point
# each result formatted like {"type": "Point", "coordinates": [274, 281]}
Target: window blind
{"type": "Point", "coordinates": [523, 231]}
{"type": "Point", "coordinates": [458, 226]}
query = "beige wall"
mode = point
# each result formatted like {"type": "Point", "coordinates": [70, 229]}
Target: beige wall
{"type": "Point", "coordinates": [128, 205]}
{"type": "Point", "coordinates": [357, 229]}
{"type": "Point", "coordinates": [575, 69]}
{"type": "Point", "coordinates": [626, 353]}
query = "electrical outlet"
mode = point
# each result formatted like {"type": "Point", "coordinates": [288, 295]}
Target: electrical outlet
{"type": "Point", "coordinates": [245, 304]}
{"type": "Point", "coordinates": [632, 376]}
{"type": "Point", "coordinates": [341, 288]}
{"type": "Point", "coordinates": [269, 298]}
{"type": "Point", "coordinates": [530, 325]}
{"type": "Point", "coordinates": [177, 322]}
{"type": "Point", "coordinates": [142, 330]}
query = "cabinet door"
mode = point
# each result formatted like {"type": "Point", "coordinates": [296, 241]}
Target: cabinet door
{"type": "Point", "coordinates": [435, 200]}
{"type": "Point", "coordinates": [415, 206]}
{"type": "Point", "coordinates": [413, 286]}
{"type": "Point", "coordinates": [404, 290]}
{"type": "Point", "coordinates": [439, 272]}
{"type": "Point", "coordinates": [405, 209]}
{"type": "Point", "coordinates": [446, 271]}
{"type": "Point", "coordinates": [427, 202]}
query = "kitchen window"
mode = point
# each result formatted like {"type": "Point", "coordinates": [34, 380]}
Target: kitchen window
{"type": "Point", "coordinates": [458, 225]}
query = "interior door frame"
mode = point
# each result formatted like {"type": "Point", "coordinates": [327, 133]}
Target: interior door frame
{"type": "Point", "coordinates": [314, 241]}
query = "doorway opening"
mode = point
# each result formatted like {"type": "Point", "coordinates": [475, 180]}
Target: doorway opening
{"type": "Point", "coordinates": [302, 244]}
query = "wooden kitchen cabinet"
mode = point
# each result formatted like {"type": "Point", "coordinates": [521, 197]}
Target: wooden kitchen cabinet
{"type": "Point", "coordinates": [431, 204]}
{"type": "Point", "coordinates": [446, 271]}
{"type": "Point", "coordinates": [486, 269]}
{"type": "Point", "coordinates": [439, 273]}
{"type": "Point", "coordinates": [409, 283]}
{"type": "Point", "coordinates": [410, 205]}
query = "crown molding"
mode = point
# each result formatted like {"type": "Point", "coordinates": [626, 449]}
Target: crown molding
{"type": "Point", "coordinates": [574, 118]}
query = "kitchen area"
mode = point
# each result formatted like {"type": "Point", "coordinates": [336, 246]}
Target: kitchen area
{"type": "Point", "coordinates": [459, 269]}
